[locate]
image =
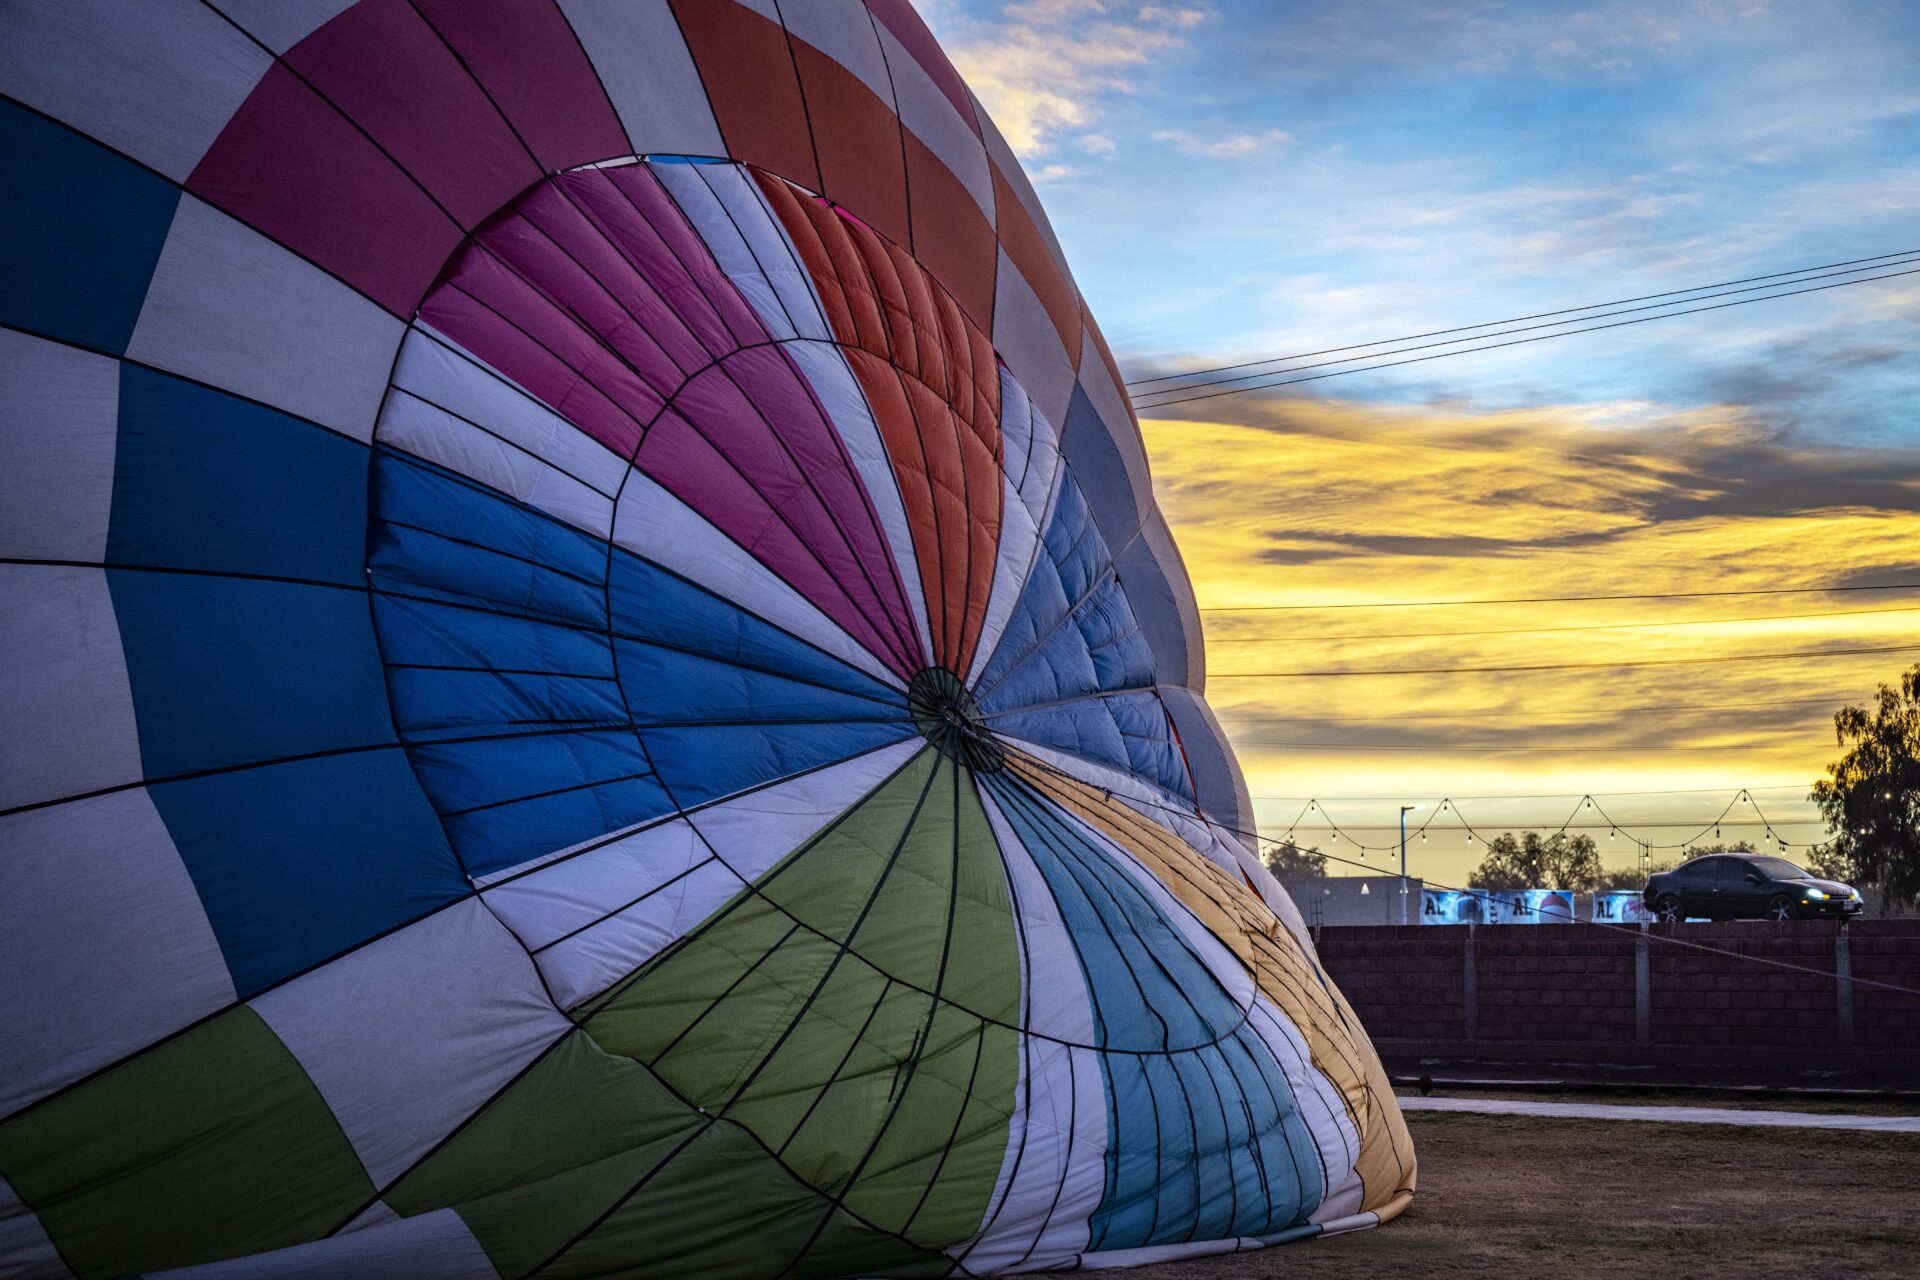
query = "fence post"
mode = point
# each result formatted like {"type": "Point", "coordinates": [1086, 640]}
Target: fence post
{"type": "Point", "coordinates": [1642, 990]}
{"type": "Point", "coordinates": [1843, 986]}
{"type": "Point", "coordinates": [1469, 991]}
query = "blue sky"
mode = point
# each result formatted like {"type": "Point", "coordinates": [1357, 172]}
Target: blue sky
{"type": "Point", "coordinates": [1240, 179]}
{"type": "Point", "coordinates": [1246, 178]}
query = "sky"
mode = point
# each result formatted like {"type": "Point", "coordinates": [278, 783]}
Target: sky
{"type": "Point", "coordinates": [1245, 178]}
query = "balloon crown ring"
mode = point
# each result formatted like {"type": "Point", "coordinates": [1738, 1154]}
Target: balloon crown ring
{"type": "Point", "coordinates": [945, 712]}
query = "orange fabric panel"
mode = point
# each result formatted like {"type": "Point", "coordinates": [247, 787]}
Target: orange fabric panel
{"type": "Point", "coordinates": [951, 237]}
{"type": "Point", "coordinates": [857, 138]}
{"type": "Point", "coordinates": [1028, 250]}
{"type": "Point", "coordinates": [745, 64]}
{"type": "Point", "coordinates": [1282, 971]}
{"type": "Point", "coordinates": [932, 381]}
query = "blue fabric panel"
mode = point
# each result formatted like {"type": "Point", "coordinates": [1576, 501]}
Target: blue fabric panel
{"type": "Point", "coordinates": [229, 671]}
{"type": "Point", "coordinates": [1220, 787]}
{"type": "Point", "coordinates": [650, 604]}
{"type": "Point", "coordinates": [1095, 459]}
{"type": "Point", "coordinates": [1162, 598]}
{"type": "Point", "coordinates": [204, 480]}
{"type": "Point", "coordinates": [297, 862]}
{"type": "Point", "coordinates": [669, 686]}
{"type": "Point", "coordinates": [1203, 1141]}
{"type": "Point", "coordinates": [702, 764]}
{"type": "Point", "coordinates": [80, 231]}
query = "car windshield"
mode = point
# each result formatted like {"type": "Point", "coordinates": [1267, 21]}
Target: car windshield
{"type": "Point", "coordinates": [1778, 869]}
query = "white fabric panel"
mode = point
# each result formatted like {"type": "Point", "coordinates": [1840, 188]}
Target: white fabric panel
{"type": "Point", "coordinates": [107, 946]}
{"type": "Point", "coordinates": [1024, 335]}
{"type": "Point", "coordinates": [768, 9]}
{"type": "Point", "coordinates": [1321, 1108]}
{"type": "Point", "coordinates": [933, 119]}
{"type": "Point", "coordinates": [1059, 1133]}
{"type": "Point", "coordinates": [1010, 169]}
{"type": "Point", "coordinates": [826, 370]}
{"type": "Point", "coordinates": [652, 523]}
{"type": "Point", "coordinates": [433, 1246]}
{"type": "Point", "coordinates": [281, 24]}
{"type": "Point", "coordinates": [157, 81]}
{"type": "Point", "coordinates": [1031, 462]}
{"type": "Point", "coordinates": [232, 308]}
{"type": "Point", "coordinates": [455, 1009]}
{"type": "Point", "coordinates": [63, 686]}
{"type": "Point", "coordinates": [59, 423]}
{"type": "Point", "coordinates": [604, 912]}
{"type": "Point", "coordinates": [843, 30]}
{"type": "Point", "coordinates": [727, 210]}
{"type": "Point", "coordinates": [25, 1249]}
{"type": "Point", "coordinates": [526, 451]}
{"type": "Point", "coordinates": [642, 60]}
{"type": "Point", "coordinates": [1110, 402]}
{"type": "Point", "coordinates": [1113, 1259]}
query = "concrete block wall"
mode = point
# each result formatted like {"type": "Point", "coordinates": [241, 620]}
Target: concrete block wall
{"type": "Point", "coordinates": [1678, 991]}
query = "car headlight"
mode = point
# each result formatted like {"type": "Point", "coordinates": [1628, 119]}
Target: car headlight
{"type": "Point", "coordinates": [1816, 893]}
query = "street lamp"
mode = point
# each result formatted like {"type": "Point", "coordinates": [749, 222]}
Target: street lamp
{"type": "Point", "coordinates": [1405, 809]}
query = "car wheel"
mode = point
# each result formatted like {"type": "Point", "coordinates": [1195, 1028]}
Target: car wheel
{"type": "Point", "coordinates": [1668, 909]}
{"type": "Point", "coordinates": [1781, 908]}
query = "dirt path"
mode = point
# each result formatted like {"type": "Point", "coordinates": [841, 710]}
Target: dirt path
{"type": "Point", "coordinates": [1525, 1197]}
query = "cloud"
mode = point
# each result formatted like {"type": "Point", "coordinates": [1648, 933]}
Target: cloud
{"type": "Point", "coordinates": [1321, 501]}
{"type": "Point", "coordinates": [1045, 69]}
{"type": "Point", "coordinates": [1231, 146]}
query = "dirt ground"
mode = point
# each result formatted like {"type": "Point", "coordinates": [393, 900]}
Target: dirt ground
{"type": "Point", "coordinates": [1514, 1196]}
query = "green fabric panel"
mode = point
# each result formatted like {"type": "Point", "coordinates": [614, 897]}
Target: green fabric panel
{"type": "Point", "coordinates": [211, 1145]}
{"type": "Point", "coordinates": [723, 1209]}
{"type": "Point", "coordinates": [551, 1154]}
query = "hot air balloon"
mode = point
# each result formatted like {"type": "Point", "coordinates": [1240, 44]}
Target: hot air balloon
{"type": "Point", "coordinates": [593, 684]}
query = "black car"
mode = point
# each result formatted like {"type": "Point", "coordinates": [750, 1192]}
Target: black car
{"type": "Point", "coordinates": [1746, 886]}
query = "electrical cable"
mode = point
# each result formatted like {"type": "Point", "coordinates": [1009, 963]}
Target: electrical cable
{"type": "Point", "coordinates": [1591, 713]}
{"type": "Point", "coordinates": [1512, 342]}
{"type": "Point", "coordinates": [1538, 315]}
{"type": "Point", "coordinates": [1567, 666]}
{"type": "Point", "coordinates": [1656, 595]}
{"type": "Point", "coordinates": [1541, 631]}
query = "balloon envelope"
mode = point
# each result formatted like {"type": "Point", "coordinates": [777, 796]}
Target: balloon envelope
{"type": "Point", "coordinates": [593, 683]}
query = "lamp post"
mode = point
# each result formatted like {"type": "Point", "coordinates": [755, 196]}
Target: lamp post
{"type": "Point", "coordinates": [1405, 809]}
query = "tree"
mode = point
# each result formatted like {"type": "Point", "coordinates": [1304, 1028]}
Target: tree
{"type": "Point", "coordinates": [1702, 850]}
{"type": "Point", "coordinates": [1558, 861]}
{"type": "Point", "coordinates": [1633, 877]}
{"type": "Point", "coordinates": [1870, 797]}
{"type": "Point", "coordinates": [1290, 862]}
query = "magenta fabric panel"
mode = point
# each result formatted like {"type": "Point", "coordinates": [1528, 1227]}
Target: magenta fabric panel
{"type": "Point", "coordinates": [533, 67]}
{"type": "Point", "coordinates": [504, 321]}
{"type": "Point", "coordinates": [293, 167]}
{"type": "Point", "coordinates": [658, 239]}
{"type": "Point", "coordinates": [383, 65]}
{"type": "Point", "coordinates": [898, 17]}
{"type": "Point", "coordinates": [714, 452]}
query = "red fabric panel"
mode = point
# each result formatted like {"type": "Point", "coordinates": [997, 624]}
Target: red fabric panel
{"type": "Point", "coordinates": [294, 168]}
{"type": "Point", "coordinates": [748, 71]}
{"type": "Point", "coordinates": [898, 17]}
{"type": "Point", "coordinates": [951, 237]}
{"type": "Point", "coordinates": [858, 139]}
{"type": "Point", "coordinates": [933, 384]}
{"type": "Point", "coordinates": [532, 65]}
{"type": "Point", "coordinates": [383, 65]}
{"type": "Point", "coordinates": [1028, 250]}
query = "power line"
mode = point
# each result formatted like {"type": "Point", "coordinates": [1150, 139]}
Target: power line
{"type": "Point", "coordinates": [1566, 666]}
{"type": "Point", "coordinates": [1657, 595]}
{"type": "Point", "coordinates": [1558, 795]}
{"type": "Point", "coordinates": [1488, 748]}
{"type": "Point", "coordinates": [1541, 631]}
{"type": "Point", "coordinates": [1662, 307]}
{"type": "Point", "coordinates": [1489, 324]}
{"type": "Point", "coordinates": [1511, 342]}
{"type": "Point", "coordinates": [1537, 714]}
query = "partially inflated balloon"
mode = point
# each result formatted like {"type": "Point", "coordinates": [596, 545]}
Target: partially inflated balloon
{"type": "Point", "coordinates": [593, 684]}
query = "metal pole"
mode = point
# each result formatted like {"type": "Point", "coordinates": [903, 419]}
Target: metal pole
{"type": "Point", "coordinates": [1403, 863]}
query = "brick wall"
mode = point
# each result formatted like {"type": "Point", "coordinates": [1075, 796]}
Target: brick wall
{"type": "Point", "coordinates": [1584, 985]}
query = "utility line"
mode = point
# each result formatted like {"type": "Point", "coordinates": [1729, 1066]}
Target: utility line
{"type": "Point", "coordinates": [1559, 795]}
{"type": "Point", "coordinates": [1662, 307]}
{"type": "Point", "coordinates": [1536, 714]}
{"type": "Point", "coordinates": [1511, 342]}
{"type": "Point", "coordinates": [1565, 666]}
{"type": "Point", "coordinates": [1538, 315]}
{"type": "Point", "coordinates": [1492, 749]}
{"type": "Point", "coordinates": [1657, 595]}
{"type": "Point", "coordinates": [1541, 631]}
